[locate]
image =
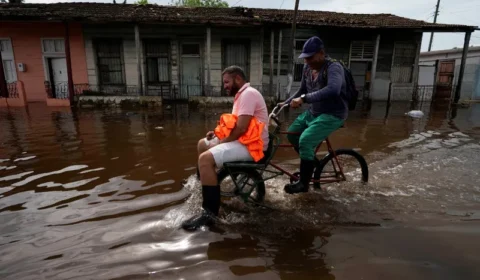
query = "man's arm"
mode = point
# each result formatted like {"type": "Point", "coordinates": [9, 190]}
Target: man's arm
{"type": "Point", "coordinates": [240, 128]}
{"type": "Point", "coordinates": [333, 88]}
{"type": "Point", "coordinates": [301, 90]}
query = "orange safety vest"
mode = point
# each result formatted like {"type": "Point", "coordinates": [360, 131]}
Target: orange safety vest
{"type": "Point", "coordinates": [252, 138]}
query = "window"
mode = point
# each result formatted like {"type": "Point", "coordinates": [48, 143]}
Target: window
{"type": "Point", "coordinates": [403, 62]}
{"type": "Point", "coordinates": [53, 45]}
{"type": "Point", "coordinates": [9, 71]}
{"type": "Point", "coordinates": [191, 49]}
{"type": "Point", "coordinates": [8, 62]}
{"type": "Point", "coordinates": [361, 50]}
{"type": "Point", "coordinates": [157, 60]}
{"type": "Point", "coordinates": [236, 53]}
{"type": "Point", "coordinates": [109, 61]}
{"type": "Point", "coordinates": [404, 54]}
{"type": "Point", "coordinates": [298, 71]}
{"type": "Point", "coordinates": [5, 46]}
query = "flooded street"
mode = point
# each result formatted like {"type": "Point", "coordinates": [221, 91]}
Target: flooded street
{"type": "Point", "coordinates": [100, 194]}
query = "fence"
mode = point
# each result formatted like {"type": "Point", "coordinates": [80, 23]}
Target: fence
{"type": "Point", "coordinates": [12, 90]}
{"type": "Point", "coordinates": [57, 90]}
{"type": "Point", "coordinates": [423, 93]}
{"type": "Point", "coordinates": [166, 91]}
{"type": "Point", "coordinates": [113, 90]}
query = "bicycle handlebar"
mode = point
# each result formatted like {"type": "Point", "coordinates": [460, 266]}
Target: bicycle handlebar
{"type": "Point", "coordinates": [273, 115]}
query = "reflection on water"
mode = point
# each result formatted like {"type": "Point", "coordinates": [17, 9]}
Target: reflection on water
{"type": "Point", "coordinates": [100, 194]}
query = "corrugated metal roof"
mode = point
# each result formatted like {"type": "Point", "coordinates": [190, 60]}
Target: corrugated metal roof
{"type": "Point", "coordinates": [103, 12]}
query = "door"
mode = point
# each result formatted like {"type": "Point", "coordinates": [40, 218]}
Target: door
{"type": "Point", "coordinates": [445, 79]}
{"type": "Point", "coordinates": [59, 77]}
{"type": "Point", "coordinates": [191, 74]}
{"type": "Point", "coordinates": [476, 93]}
{"type": "Point", "coordinates": [361, 75]}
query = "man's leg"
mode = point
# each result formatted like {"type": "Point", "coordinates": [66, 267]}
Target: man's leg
{"type": "Point", "coordinates": [298, 126]}
{"type": "Point", "coordinates": [202, 147]}
{"type": "Point", "coordinates": [210, 193]}
{"type": "Point", "coordinates": [318, 130]}
{"type": "Point", "coordinates": [214, 157]}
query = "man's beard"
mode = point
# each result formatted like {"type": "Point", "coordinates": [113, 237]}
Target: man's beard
{"type": "Point", "coordinates": [235, 88]}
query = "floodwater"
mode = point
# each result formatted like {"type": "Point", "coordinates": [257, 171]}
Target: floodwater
{"type": "Point", "coordinates": [100, 194]}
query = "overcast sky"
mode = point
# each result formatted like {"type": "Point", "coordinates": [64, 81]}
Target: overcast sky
{"type": "Point", "coordinates": [451, 11]}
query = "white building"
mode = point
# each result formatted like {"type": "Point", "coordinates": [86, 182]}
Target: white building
{"type": "Point", "coordinates": [441, 70]}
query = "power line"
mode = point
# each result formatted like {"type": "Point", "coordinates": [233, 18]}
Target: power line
{"type": "Point", "coordinates": [236, 3]}
{"type": "Point", "coordinates": [281, 4]}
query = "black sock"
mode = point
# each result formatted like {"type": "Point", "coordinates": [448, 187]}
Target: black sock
{"type": "Point", "coordinates": [211, 198]}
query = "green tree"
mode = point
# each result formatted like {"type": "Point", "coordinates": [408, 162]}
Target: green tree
{"type": "Point", "coordinates": [141, 2]}
{"type": "Point", "coordinates": [200, 3]}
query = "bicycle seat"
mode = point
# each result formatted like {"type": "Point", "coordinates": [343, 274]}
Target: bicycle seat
{"type": "Point", "coordinates": [249, 164]}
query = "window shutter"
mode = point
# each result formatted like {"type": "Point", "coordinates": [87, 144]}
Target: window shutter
{"type": "Point", "coordinates": [362, 50]}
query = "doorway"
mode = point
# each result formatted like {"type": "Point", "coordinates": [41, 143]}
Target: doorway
{"type": "Point", "coordinates": [191, 73]}
{"type": "Point", "coordinates": [361, 71]}
{"type": "Point", "coordinates": [445, 76]}
{"type": "Point", "coordinates": [57, 67]}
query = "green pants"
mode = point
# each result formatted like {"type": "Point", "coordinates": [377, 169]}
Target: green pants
{"type": "Point", "coordinates": [313, 131]}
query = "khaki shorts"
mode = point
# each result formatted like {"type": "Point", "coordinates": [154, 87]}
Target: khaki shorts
{"type": "Point", "coordinates": [229, 152]}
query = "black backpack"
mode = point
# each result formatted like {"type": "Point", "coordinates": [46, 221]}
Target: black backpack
{"type": "Point", "coordinates": [352, 92]}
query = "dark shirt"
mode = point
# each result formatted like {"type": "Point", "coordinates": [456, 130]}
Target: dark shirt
{"type": "Point", "coordinates": [331, 99]}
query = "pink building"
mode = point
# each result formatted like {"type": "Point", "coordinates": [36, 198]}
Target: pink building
{"type": "Point", "coordinates": [35, 61]}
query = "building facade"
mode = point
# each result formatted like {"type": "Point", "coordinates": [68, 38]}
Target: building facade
{"type": "Point", "coordinates": [179, 53]}
{"type": "Point", "coordinates": [34, 54]}
{"type": "Point", "coordinates": [441, 69]}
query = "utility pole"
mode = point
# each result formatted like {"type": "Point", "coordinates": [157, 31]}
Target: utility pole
{"type": "Point", "coordinates": [292, 46]}
{"type": "Point", "coordinates": [434, 21]}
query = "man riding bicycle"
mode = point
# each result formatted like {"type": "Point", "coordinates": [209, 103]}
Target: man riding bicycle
{"type": "Point", "coordinates": [328, 110]}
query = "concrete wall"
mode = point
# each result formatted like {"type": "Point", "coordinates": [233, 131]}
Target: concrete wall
{"type": "Point", "coordinates": [471, 78]}
{"type": "Point", "coordinates": [426, 75]}
{"type": "Point", "coordinates": [27, 48]}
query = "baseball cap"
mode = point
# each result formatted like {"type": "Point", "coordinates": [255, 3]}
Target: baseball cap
{"type": "Point", "coordinates": [311, 47]}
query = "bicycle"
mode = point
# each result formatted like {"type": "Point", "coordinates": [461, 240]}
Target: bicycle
{"type": "Point", "coordinates": [248, 179]}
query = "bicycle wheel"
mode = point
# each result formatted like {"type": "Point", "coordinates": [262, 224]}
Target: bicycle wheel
{"type": "Point", "coordinates": [354, 167]}
{"type": "Point", "coordinates": [249, 184]}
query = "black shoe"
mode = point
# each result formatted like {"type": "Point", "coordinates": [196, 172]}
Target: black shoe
{"type": "Point", "coordinates": [210, 205]}
{"type": "Point", "coordinates": [297, 187]}
{"type": "Point", "coordinates": [204, 219]}
{"type": "Point", "coordinates": [306, 172]}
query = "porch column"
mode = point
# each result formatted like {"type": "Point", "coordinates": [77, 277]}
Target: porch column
{"type": "Point", "coordinates": [138, 46]}
{"type": "Point", "coordinates": [71, 88]}
{"type": "Point", "coordinates": [272, 50]}
{"type": "Point", "coordinates": [374, 65]}
{"type": "Point", "coordinates": [279, 59]}
{"type": "Point", "coordinates": [462, 66]}
{"type": "Point", "coordinates": [209, 58]}
{"type": "Point", "coordinates": [3, 81]}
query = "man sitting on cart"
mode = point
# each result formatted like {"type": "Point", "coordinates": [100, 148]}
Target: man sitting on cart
{"type": "Point", "coordinates": [248, 104]}
{"type": "Point", "coordinates": [327, 112]}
